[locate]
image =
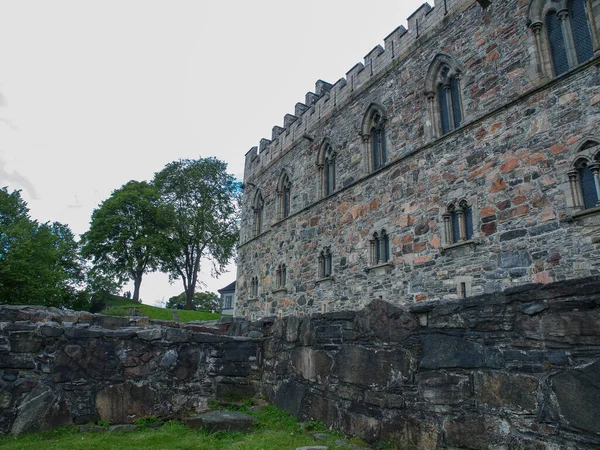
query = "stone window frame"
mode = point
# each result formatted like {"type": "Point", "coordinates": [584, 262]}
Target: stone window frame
{"type": "Point", "coordinates": [254, 288]}
{"type": "Point", "coordinates": [457, 212]}
{"type": "Point", "coordinates": [258, 208]}
{"type": "Point", "coordinates": [374, 124]}
{"type": "Point", "coordinates": [379, 248]}
{"type": "Point", "coordinates": [284, 195]}
{"type": "Point", "coordinates": [281, 277]}
{"type": "Point", "coordinates": [586, 155]}
{"type": "Point", "coordinates": [326, 165]}
{"type": "Point", "coordinates": [464, 287]}
{"type": "Point", "coordinates": [539, 11]}
{"type": "Point", "coordinates": [444, 74]}
{"type": "Point", "coordinates": [325, 264]}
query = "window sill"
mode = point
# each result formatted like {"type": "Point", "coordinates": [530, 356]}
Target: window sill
{"type": "Point", "coordinates": [324, 279]}
{"type": "Point", "coordinates": [282, 289]}
{"type": "Point", "coordinates": [585, 212]}
{"type": "Point", "coordinates": [468, 243]}
{"type": "Point", "coordinates": [389, 264]}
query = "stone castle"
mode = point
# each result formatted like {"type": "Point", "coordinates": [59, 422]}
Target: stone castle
{"type": "Point", "coordinates": [460, 158]}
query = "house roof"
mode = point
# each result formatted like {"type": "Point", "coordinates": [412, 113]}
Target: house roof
{"type": "Point", "coordinates": [228, 288]}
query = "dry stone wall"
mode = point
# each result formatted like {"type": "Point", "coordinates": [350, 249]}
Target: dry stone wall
{"type": "Point", "coordinates": [513, 370]}
{"type": "Point", "coordinates": [61, 368]}
{"type": "Point", "coordinates": [509, 159]}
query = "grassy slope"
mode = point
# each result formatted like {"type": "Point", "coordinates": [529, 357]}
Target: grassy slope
{"type": "Point", "coordinates": [118, 306]}
{"type": "Point", "coordinates": [276, 430]}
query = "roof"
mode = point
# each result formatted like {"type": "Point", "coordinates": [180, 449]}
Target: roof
{"type": "Point", "coordinates": [228, 288]}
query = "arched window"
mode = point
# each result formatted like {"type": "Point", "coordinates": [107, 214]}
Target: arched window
{"type": "Point", "coordinates": [444, 96]}
{"type": "Point", "coordinates": [584, 178]}
{"type": "Point", "coordinates": [284, 198]}
{"type": "Point", "coordinates": [373, 133]}
{"type": "Point", "coordinates": [254, 288]}
{"type": "Point", "coordinates": [281, 276]}
{"type": "Point", "coordinates": [258, 207]}
{"type": "Point", "coordinates": [458, 222]}
{"type": "Point", "coordinates": [326, 163]}
{"type": "Point", "coordinates": [325, 263]}
{"type": "Point", "coordinates": [565, 34]}
{"type": "Point", "coordinates": [380, 248]}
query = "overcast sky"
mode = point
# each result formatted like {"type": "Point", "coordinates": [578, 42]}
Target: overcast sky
{"type": "Point", "coordinates": [96, 93]}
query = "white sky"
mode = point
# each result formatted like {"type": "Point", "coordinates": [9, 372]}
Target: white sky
{"type": "Point", "coordinates": [96, 93]}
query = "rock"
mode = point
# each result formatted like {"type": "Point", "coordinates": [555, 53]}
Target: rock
{"type": "Point", "coordinates": [25, 342]}
{"type": "Point", "coordinates": [289, 397]}
{"type": "Point", "coordinates": [89, 428]}
{"type": "Point", "coordinates": [169, 359]}
{"type": "Point", "coordinates": [222, 420]}
{"type": "Point", "coordinates": [313, 365]}
{"type": "Point", "coordinates": [365, 366]}
{"type": "Point", "coordinates": [151, 334]}
{"type": "Point", "coordinates": [511, 391]}
{"type": "Point", "coordinates": [239, 351]}
{"type": "Point", "coordinates": [386, 321]}
{"type": "Point", "coordinates": [122, 428]}
{"type": "Point", "coordinates": [126, 402]}
{"type": "Point", "coordinates": [577, 393]}
{"type": "Point", "coordinates": [442, 351]}
{"type": "Point", "coordinates": [443, 388]}
{"type": "Point", "coordinates": [41, 409]}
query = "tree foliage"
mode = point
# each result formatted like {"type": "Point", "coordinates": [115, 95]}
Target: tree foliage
{"type": "Point", "coordinates": [39, 263]}
{"type": "Point", "coordinates": [202, 203]}
{"type": "Point", "coordinates": [202, 300]}
{"type": "Point", "coordinates": [124, 236]}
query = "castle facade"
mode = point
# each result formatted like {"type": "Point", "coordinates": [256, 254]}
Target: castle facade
{"type": "Point", "coordinates": [460, 158]}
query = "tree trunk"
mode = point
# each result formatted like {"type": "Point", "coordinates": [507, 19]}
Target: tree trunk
{"type": "Point", "coordinates": [189, 298]}
{"type": "Point", "coordinates": [137, 281]}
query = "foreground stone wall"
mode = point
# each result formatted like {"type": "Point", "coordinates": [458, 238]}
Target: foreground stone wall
{"type": "Point", "coordinates": [519, 369]}
{"type": "Point", "coordinates": [60, 368]}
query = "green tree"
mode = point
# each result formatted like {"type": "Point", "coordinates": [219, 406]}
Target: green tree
{"type": "Point", "coordinates": [202, 200]}
{"type": "Point", "coordinates": [124, 235]}
{"type": "Point", "coordinates": [39, 263]}
{"type": "Point", "coordinates": [202, 300]}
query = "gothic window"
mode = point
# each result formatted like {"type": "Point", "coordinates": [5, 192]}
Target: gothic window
{"type": "Point", "coordinates": [584, 178]}
{"type": "Point", "coordinates": [326, 164]}
{"type": "Point", "coordinates": [258, 208]}
{"type": "Point", "coordinates": [444, 96]}
{"type": "Point", "coordinates": [458, 223]}
{"type": "Point", "coordinates": [565, 34]}
{"type": "Point", "coordinates": [375, 137]}
{"type": "Point", "coordinates": [254, 287]}
{"type": "Point", "coordinates": [281, 276]}
{"type": "Point", "coordinates": [325, 263]}
{"type": "Point", "coordinates": [284, 198]}
{"type": "Point", "coordinates": [380, 248]}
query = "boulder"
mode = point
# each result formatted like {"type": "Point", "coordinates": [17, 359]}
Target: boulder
{"type": "Point", "coordinates": [221, 420]}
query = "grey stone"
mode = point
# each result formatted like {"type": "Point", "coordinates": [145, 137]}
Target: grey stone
{"type": "Point", "coordinates": [126, 402]}
{"type": "Point", "coordinates": [441, 351]}
{"type": "Point", "coordinates": [507, 260]}
{"type": "Point", "coordinates": [151, 334]}
{"type": "Point", "coordinates": [169, 359]}
{"type": "Point", "coordinates": [41, 409]}
{"type": "Point", "coordinates": [122, 428]}
{"type": "Point", "coordinates": [222, 420]}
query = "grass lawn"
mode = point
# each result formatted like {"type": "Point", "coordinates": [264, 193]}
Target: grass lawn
{"type": "Point", "coordinates": [275, 431]}
{"type": "Point", "coordinates": [118, 306]}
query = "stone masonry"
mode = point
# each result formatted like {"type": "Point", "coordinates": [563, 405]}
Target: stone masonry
{"type": "Point", "coordinates": [510, 159]}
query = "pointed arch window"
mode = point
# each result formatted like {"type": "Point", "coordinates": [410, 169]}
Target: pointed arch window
{"type": "Point", "coordinates": [258, 207]}
{"type": "Point", "coordinates": [380, 248]}
{"type": "Point", "coordinates": [444, 96]}
{"type": "Point", "coordinates": [325, 263]}
{"type": "Point", "coordinates": [565, 34]}
{"type": "Point", "coordinates": [284, 197]}
{"type": "Point", "coordinates": [326, 163]}
{"type": "Point", "coordinates": [375, 137]}
{"type": "Point", "coordinates": [584, 177]}
{"type": "Point", "coordinates": [281, 276]}
{"type": "Point", "coordinates": [458, 223]}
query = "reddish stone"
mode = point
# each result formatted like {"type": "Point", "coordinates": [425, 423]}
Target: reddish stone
{"type": "Point", "coordinates": [374, 204]}
{"type": "Point", "coordinates": [519, 199]}
{"type": "Point", "coordinates": [503, 205]}
{"type": "Point", "coordinates": [497, 186]}
{"type": "Point", "coordinates": [407, 238]}
{"type": "Point", "coordinates": [488, 211]}
{"type": "Point", "coordinates": [314, 221]}
{"type": "Point", "coordinates": [534, 159]}
{"type": "Point", "coordinates": [407, 249]}
{"type": "Point", "coordinates": [543, 278]}
{"type": "Point", "coordinates": [557, 149]}
{"type": "Point", "coordinates": [420, 297]}
{"type": "Point", "coordinates": [488, 228]}
{"type": "Point", "coordinates": [422, 259]}
{"type": "Point", "coordinates": [495, 127]}
{"type": "Point", "coordinates": [509, 165]}
{"type": "Point", "coordinates": [492, 56]}
{"type": "Point", "coordinates": [419, 247]}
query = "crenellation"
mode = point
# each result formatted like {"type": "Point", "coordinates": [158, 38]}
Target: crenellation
{"type": "Point", "coordinates": [322, 87]}
{"type": "Point", "coordinates": [392, 41]}
{"type": "Point", "coordinates": [300, 109]}
{"type": "Point", "coordinates": [288, 120]}
{"type": "Point", "coordinates": [417, 20]}
{"type": "Point", "coordinates": [276, 132]}
{"type": "Point", "coordinates": [311, 98]}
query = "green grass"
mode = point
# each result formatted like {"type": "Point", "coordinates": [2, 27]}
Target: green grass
{"type": "Point", "coordinates": [118, 306]}
{"type": "Point", "coordinates": [275, 431]}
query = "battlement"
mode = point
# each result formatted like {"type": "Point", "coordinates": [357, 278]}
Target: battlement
{"type": "Point", "coordinates": [328, 97]}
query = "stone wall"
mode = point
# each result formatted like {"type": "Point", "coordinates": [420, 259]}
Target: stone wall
{"type": "Point", "coordinates": [61, 368]}
{"type": "Point", "coordinates": [513, 370]}
{"type": "Point", "coordinates": [509, 160]}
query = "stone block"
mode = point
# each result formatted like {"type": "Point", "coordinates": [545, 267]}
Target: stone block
{"type": "Point", "coordinates": [366, 366]}
{"type": "Point", "coordinates": [508, 260]}
{"type": "Point", "coordinates": [312, 365]}
{"type": "Point", "coordinates": [444, 388]}
{"type": "Point", "coordinates": [239, 351]}
{"type": "Point", "coordinates": [289, 397]}
{"type": "Point", "coordinates": [512, 391]}
{"type": "Point", "coordinates": [577, 394]}
{"type": "Point", "coordinates": [441, 351]}
{"type": "Point", "coordinates": [41, 409]}
{"type": "Point", "coordinates": [126, 402]}
{"type": "Point", "coordinates": [25, 342]}
{"type": "Point", "coordinates": [573, 327]}
{"type": "Point", "coordinates": [231, 421]}
{"type": "Point", "coordinates": [385, 321]}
